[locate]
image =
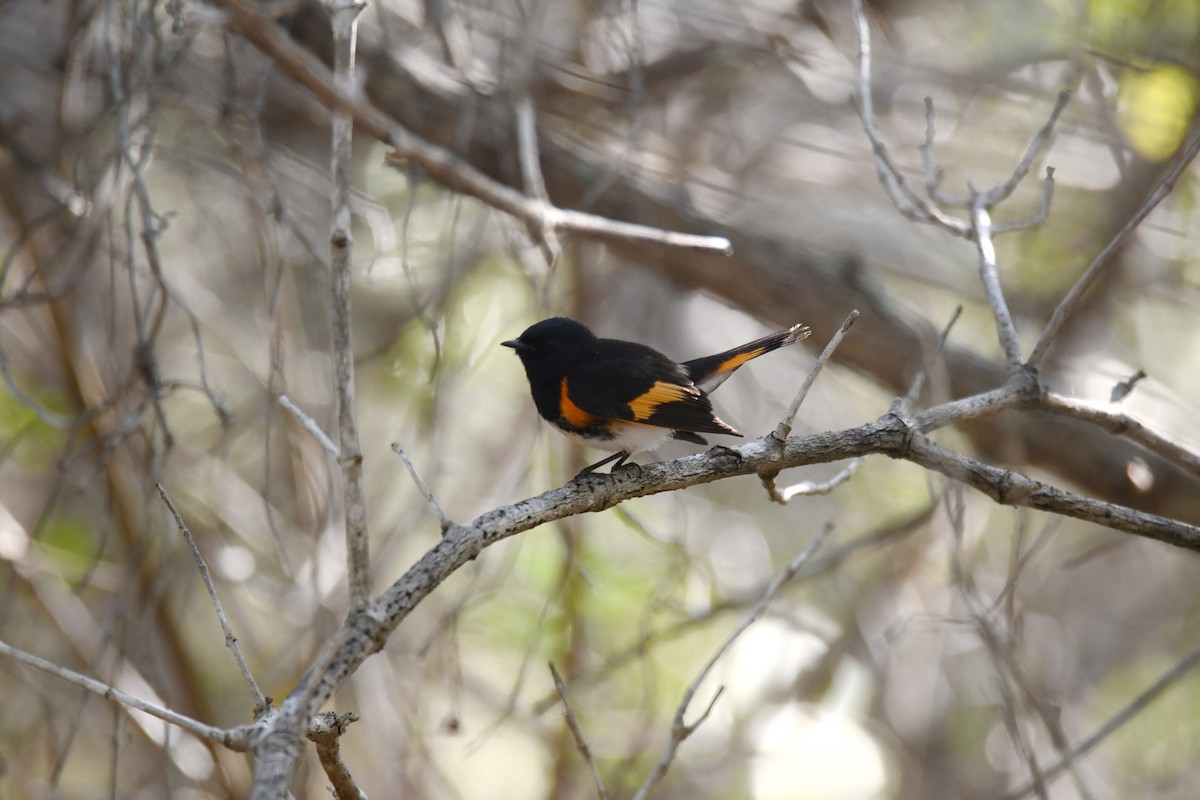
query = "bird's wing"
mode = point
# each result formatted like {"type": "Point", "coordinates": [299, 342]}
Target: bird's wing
{"type": "Point", "coordinates": [643, 386]}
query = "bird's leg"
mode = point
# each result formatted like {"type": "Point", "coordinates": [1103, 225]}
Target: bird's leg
{"type": "Point", "coordinates": [617, 457]}
{"type": "Point", "coordinates": [724, 452]}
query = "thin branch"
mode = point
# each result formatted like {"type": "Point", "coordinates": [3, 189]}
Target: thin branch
{"type": "Point", "coordinates": [239, 739]}
{"type": "Point", "coordinates": [903, 196]}
{"type": "Point", "coordinates": [1037, 146]}
{"type": "Point", "coordinates": [1068, 304]}
{"type": "Point", "coordinates": [1114, 723]}
{"type": "Point", "coordinates": [904, 404]}
{"type": "Point", "coordinates": [325, 732]}
{"type": "Point", "coordinates": [231, 641]}
{"type": "Point", "coordinates": [288, 724]}
{"type": "Point", "coordinates": [979, 229]}
{"type": "Point", "coordinates": [933, 173]}
{"type": "Point", "coordinates": [989, 275]}
{"type": "Point", "coordinates": [1123, 388]}
{"type": "Point", "coordinates": [1011, 395]}
{"type": "Point", "coordinates": [832, 559]}
{"type": "Point", "coordinates": [1024, 391]}
{"type": "Point", "coordinates": [681, 731]}
{"type": "Point", "coordinates": [215, 398]}
{"type": "Point", "coordinates": [1114, 420]}
{"type": "Point", "coordinates": [1039, 217]}
{"type": "Point", "coordinates": [531, 174]}
{"type": "Point", "coordinates": [438, 163]}
{"type": "Point", "coordinates": [344, 19]}
{"type": "Point", "coordinates": [310, 425]}
{"type": "Point", "coordinates": [1007, 671]}
{"type": "Point", "coordinates": [445, 521]}
{"type": "Point", "coordinates": [577, 733]}
{"type": "Point", "coordinates": [1000, 192]}
{"type": "Point", "coordinates": [1009, 487]}
{"type": "Point", "coordinates": [810, 488]}
{"type": "Point", "coordinates": [784, 429]}
{"type": "Point", "coordinates": [56, 421]}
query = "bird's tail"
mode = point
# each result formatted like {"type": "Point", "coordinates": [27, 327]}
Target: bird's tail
{"type": "Point", "coordinates": [711, 371]}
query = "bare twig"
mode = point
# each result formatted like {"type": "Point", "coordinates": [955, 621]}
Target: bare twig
{"type": "Point", "coordinates": [344, 18]}
{"type": "Point", "coordinates": [230, 640]}
{"type": "Point", "coordinates": [1009, 677]}
{"type": "Point", "coordinates": [439, 164]}
{"type": "Point", "coordinates": [679, 732]}
{"type": "Point", "coordinates": [290, 723]}
{"type": "Point", "coordinates": [239, 738]}
{"type": "Point", "coordinates": [310, 425]}
{"type": "Point", "coordinates": [215, 398]}
{"type": "Point", "coordinates": [679, 729]}
{"type": "Point", "coordinates": [1024, 391]}
{"type": "Point", "coordinates": [1039, 217]}
{"type": "Point", "coordinates": [1068, 304]}
{"type": "Point", "coordinates": [833, 558]}
{"type": "Point", "coordinates": [1011, 395]}
{"type": "Point", "coordinates": [1123, 388]}
{"type": "Point", "coordinates": [1115, 420]}
{"type": "Point", "coordinates": [44, 414]}
{"type": "Point", "coordinates": [933, 173]}
{"type": "Point", "coordinates": [810, 488]}
{"type": "Point", "coordinates": [531, 174]}
{"type": "Point", "coordinates": [1114, 723]}
{"type": "Point", "coordinates": [1008, 487]}
{"type": "Point", "coordinates": [979, 229]}
{"type": "Point", "coordinates": [325, 732]}
{"type": "Point", "coordinates": [1037, 146]}
{"type": "Point", "coordinates": [903, 196]}
{"type": "Point", "coordinates": [904, 404]}
{"type": "Point", "coordinates": [1000, 192]}
{"type": "Point", "coordinates": [784, 429]}
{"type": "Point", "coordinates": [445, 521]}
{"type": "Point", "coordinates": [452, 34]}
{"type": "Point", "coordinates": [989, 275]}
{"type": "Point", "coordinates": [577, 732]}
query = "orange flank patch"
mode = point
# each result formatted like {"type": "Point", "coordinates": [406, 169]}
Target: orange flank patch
{"type": "Point", "coordinates": [733, 362]}
{"type": "Point", "coordinates": [644, 405]}
{"type": "Point", "coordinates": [572, 413]}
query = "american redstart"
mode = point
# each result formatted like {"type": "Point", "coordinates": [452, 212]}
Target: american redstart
{"type": "Point", "coordinates": [623, 395]}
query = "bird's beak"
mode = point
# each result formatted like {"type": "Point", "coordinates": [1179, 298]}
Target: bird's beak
{"type": "Point", "coordinates": [515, 344]}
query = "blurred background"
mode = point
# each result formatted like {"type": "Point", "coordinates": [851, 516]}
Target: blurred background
{"type": "Point", "coordinates": [164, 224]}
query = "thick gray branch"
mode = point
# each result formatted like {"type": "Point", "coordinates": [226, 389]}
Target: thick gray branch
{"type": "Point", "coordinates": [367, 632]}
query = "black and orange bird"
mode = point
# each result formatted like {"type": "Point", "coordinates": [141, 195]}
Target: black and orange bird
{"type": "Point", "coordinates": [626, 396]}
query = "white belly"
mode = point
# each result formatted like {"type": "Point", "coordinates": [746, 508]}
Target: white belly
{"type": "Point", "coordinates": [630, 437]}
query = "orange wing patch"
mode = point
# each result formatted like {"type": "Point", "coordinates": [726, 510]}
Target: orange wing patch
{"type": "Point", "coordinates": [733, 362]}
{"type": "Point", "coordinates": [572, 413]}
{"type": "Point", "coordinates": [644, 405]}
